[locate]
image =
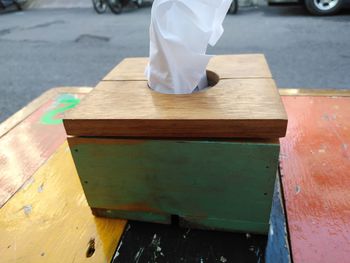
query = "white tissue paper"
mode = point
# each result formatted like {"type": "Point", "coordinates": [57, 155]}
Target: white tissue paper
{"type": "Point", "coordinates": [180, 32]}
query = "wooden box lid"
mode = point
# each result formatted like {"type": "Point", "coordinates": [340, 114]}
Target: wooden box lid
{"type": "Point", "coordinates": [243, 104]}
{"type": "Point", "coordinates": [226, 66]}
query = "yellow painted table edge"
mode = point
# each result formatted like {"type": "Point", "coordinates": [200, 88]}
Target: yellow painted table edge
{"type": "Point", "coordinates": [49, 220]}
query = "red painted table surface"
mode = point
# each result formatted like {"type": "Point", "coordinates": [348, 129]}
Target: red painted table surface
{"type": "Point", "coordinates": [315, 167]}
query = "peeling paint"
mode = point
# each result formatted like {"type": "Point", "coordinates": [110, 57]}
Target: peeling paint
{"type": "Point", "coordinates": [28, 183]}
{"type": "Point", "coordinates": [41, 188]}
{"type": "Point", "coordinates": [186, 234]}
{"type": "Point", "coordinates": [325, 117]}
{"type": "Point", "coordinates": [27, 209]}
{"type": "Point", "coordinates": [128, 227]}
{"type": "Point", "coordinates": [139, 254]}
{"type": "Point", "coordinates": [117, 252]}
{"type": "Point", "coordinates": [223, 259]}
{"type": "Point", "coordinates": [271, 230]}
{"type": "Point", "coordinates": [157, 249]}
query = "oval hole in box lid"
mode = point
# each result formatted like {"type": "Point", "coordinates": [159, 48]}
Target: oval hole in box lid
{"type": "Point", "coordinates": [212, 78]}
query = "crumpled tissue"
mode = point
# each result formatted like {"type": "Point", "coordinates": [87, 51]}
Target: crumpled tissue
{"type": "Point", "coordinates": [180, 32]}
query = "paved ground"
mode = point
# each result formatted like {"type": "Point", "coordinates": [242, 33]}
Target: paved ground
{"type": "Point", "coordinates": [40, 49]}
{"type": "Point", "coordinates": [58, 3]}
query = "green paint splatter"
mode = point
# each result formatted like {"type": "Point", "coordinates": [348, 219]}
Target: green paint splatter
{"type": "Point", "coordinates": [65, 102]}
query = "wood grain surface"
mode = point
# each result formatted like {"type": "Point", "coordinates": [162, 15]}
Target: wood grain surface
{"type": "Point", "coordinates": [49, 220]}
{"type": "Point", "coordinates": [241, 66]}
{"type": "Point", "coordinates": [245, 108]}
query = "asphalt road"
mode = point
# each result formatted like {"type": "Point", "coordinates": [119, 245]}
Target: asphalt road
{"type": "Point", "coordinates": [45, 48]}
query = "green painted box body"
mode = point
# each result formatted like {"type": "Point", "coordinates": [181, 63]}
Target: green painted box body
{"type": "Point", "coordinates": [224, 185]}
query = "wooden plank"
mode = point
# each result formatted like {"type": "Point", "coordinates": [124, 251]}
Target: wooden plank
{"type": "Point", "coordinates": [146, 242]}
{"type": "Point", "coordinates": [315, 175]}
{"type": "Point", "coordinates": [315, 92]}
{"type": "Point", "coordinates": [163, 243]}
{"type": "Point", "coordinates": [49, 219]}
{"type": "Point", "coordinates": [244, 66]}
{"type": "Point", "coordinates": [278, 248]}
{"type": "Point", "coordinates": [243, 108]}
{"type": "Point", "coordinates": [22, 114]}
{"type": "Point", "coordinates": [26, 144]}
{"type": "Point", "coordinates": [199, 181]}
{"type": "Point", "coordinates": [143, 215]}
{"type": "Point", "coordinates": [241, 66]}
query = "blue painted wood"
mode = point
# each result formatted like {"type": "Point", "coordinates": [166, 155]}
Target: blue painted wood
{"type": "Point", "coordinates": [277, 249]}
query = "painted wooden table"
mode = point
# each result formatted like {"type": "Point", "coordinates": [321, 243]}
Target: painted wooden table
{"type": "Point", "coordinates": [44, 216]}
{"type": "Point", "coordinates": [315, 168]}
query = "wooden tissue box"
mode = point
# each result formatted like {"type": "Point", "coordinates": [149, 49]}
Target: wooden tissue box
{"type": "Point", "coordinates": [207, 159]}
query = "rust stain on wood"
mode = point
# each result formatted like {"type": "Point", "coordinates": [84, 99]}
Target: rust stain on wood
{"type": "Point", "coordinates": [140, 207]}
{"type": "Point", "coordinates": [126, 208]}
